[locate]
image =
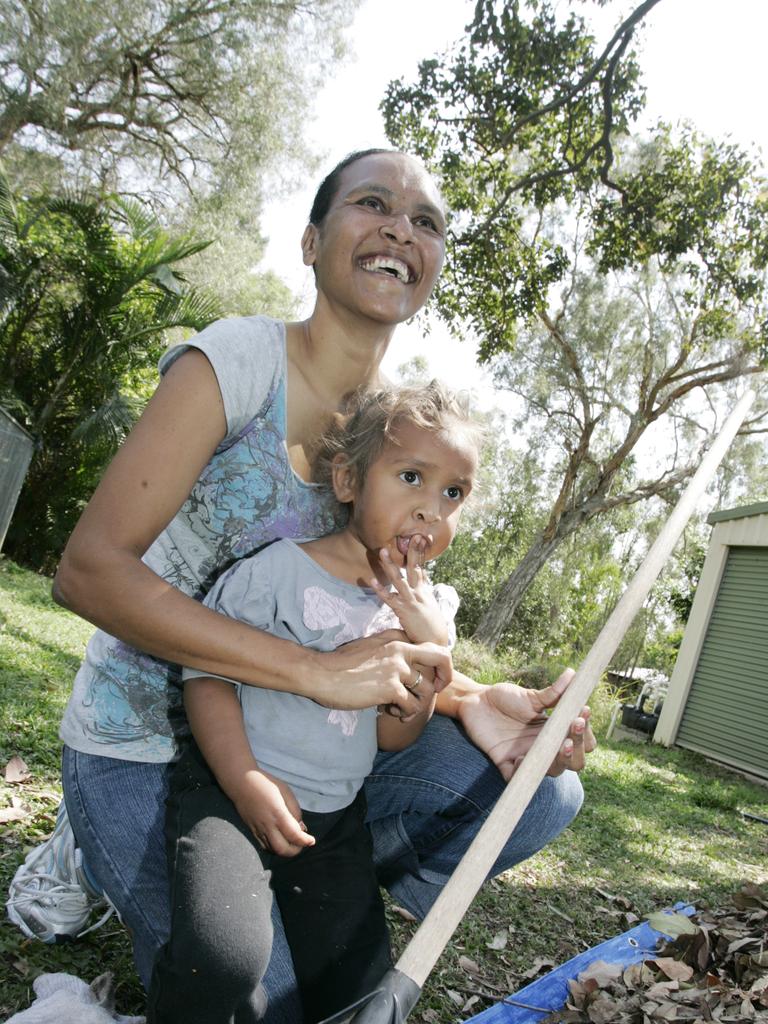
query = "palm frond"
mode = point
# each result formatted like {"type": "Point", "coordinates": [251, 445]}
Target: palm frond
{"type": "Point", "coordinates": [137, 217]}
{"type": "Point", "coordinates": [15, 405]}
{"type": "Point", "coordinates": [111, 421]}
{"type": "Point", "coordinates": [8, 211]}
{"type": "Point", "coordinates": [195, 309]}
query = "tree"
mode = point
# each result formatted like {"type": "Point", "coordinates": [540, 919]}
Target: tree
{"type": "Point", "coordinates": [191, 105]}
{"type": "Point", "coordinates": [88, 290]}
{"type": "Point", "coordinates": [529, 127]}
{"type": "Point", "coordinates": [620, 363]}
{"type": "Point", "coordinates": [495, 530]}
{"type": "Point", "coordinates": [523, 116]}
{"type": "Point", "coordinates": [181, 88]}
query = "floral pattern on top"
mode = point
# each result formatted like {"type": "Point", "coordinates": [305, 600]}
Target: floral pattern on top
{"type": "Point", "coordinates": [127, 704]}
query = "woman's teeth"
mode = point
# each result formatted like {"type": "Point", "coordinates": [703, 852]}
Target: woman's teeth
{"type": "Point", "coordinates": [393, 267]}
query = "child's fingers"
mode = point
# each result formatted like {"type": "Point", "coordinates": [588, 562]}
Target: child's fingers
{"type": "Point", "coordinates": [285, 837]}
{"type": "Point", "coordinates": [389, 567]}
{"type": "Point", "coordinates": [414, 560]}
{"type": "Point", "coordinates": [383, 594]}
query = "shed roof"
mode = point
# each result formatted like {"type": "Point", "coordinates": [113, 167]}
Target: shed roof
{"type": "Point", "coordinates": [743, 512]}
{"type": "Point", "coordinates": [16, 425]}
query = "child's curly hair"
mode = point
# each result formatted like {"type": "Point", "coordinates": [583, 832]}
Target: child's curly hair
{"type": "Point", "coordinates": [371, 417]}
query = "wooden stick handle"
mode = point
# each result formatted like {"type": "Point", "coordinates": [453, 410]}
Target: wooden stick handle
{"type": "Point", "coordinates": [424, 949]}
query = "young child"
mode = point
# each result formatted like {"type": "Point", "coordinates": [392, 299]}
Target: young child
{"type": "Point", "coordinates": [269, 799]}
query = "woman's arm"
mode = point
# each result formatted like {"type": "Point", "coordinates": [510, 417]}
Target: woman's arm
{"type": "Point", "coordinates": [394, 733]}
{"type": "Point", "coordinates": [103, 579]}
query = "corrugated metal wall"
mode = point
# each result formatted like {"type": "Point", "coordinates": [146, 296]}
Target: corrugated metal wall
{"type": "Point", "coordinates": [726, 714]}
{"type": "Point", "coordinates": [16, 447]}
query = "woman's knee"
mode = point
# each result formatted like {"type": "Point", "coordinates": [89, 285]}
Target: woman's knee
{"type": "Point", "coordinates": [123, 853]}
{"type": "Point", "coordinates": [553, 807]}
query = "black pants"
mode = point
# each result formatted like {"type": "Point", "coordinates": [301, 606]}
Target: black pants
{"type": "Point", "coordinates": [222, 887]}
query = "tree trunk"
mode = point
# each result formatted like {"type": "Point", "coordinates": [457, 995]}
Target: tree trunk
{"type": "Point", "coordinates": [499, 612]}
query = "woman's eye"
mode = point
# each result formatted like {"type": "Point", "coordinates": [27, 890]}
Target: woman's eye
{"type": "Point", "coordinates": [428, 223]}
{"type": "Point", "coordinates": [373, 202]}
{"type": "Point", "coordinates": [410, 476]}
{"type": "Point", "coordinates": [454, 493]}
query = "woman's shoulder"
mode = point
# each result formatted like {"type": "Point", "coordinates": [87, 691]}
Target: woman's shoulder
{"type": "Point", "coordinates": [247, 355]}
{"type": "Point", "coordinates": [236, 338]}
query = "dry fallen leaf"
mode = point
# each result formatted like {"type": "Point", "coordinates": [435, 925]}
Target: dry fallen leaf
{"type": "Point", "coordinates": [402, 912]}
{"type": "Point", "coordinates": [468, 965]}
{"type": "Point", "coordinates": [21, 966]}
{"type": "Point", "coordinates": [603, 1010]}
{"type": "Point", "coordinates": [539, 964]}
{"type": "Point", "coordinates": [560, 913]}
{"type": "Point", "coordinates": [16, 770]}
{"type": "Point", "coordinates": [674, 968]}
{"type": "Point", "coordinates": [601, 973]}
{"type": "Point", "coordinates": [662, 989]}
{"type": "Point", "coordinates": [671, 924]}
{"type": "Point", "coordinates": [15, 812]}
{"type": "Point", "coordinates": [499, 940]}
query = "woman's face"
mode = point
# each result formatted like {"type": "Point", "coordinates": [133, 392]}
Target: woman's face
{"type": "Point", "coordinates": [381, 245]}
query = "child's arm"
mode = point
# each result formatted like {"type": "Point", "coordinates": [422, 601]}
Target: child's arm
{"type": "Point", "coordinates": [414, 603]}
{"type": "Point", "coordinates": [266, 804]}
{"type": "Point", "coordinates": [413, 600]}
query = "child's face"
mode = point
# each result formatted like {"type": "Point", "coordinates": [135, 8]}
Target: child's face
{"type": "Point", "coordinates": [415, 488]}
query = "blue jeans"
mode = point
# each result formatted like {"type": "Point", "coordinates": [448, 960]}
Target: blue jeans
{"type": "Point", "coordinates": [425, 806]}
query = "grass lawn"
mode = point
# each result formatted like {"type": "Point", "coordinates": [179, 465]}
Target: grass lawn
{"type": "Point", "coordinates": [658, 826]}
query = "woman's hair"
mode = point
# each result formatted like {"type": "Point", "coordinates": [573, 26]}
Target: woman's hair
{"type": "Point", "coordinates": [329, 186]}
{"type": "Point", "coordinates": [372, 417]}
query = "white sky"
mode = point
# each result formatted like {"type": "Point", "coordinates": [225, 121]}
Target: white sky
{"type": "Point", "coordinates": [703, 60]}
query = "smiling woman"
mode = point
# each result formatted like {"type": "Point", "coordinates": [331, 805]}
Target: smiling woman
{"type": "Point", "coordinates": [386, 221]}
{"type": "Point", "coordinates": [217, 467]}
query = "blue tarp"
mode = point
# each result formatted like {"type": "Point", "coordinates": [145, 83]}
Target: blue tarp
{"type": "Point", "coordinates": [550, 992]}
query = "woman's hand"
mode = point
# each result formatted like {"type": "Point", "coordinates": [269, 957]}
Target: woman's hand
{"type": "Point", "coordinates": [395, 731]}
{"type": "Point", "coordinates": [378, 670]}
{"type": "Point", "coordinates": [412, 600]}
{"type": "Point", "coordinates": [272, 813]}
{"type": "Point", "coordinates": [504, 720]}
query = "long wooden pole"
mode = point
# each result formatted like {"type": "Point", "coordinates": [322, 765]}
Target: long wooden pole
{"type": "Point", "coordinates": [424, 949]}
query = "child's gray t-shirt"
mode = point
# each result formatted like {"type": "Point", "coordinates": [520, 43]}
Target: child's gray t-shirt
{"type": "Point", "coordinates": [323, 754]}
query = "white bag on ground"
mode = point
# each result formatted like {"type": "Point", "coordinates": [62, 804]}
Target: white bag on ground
{"type": "Point", "coordinates": [65, 999]}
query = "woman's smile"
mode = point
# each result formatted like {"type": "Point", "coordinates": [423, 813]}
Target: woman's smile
{"type": "Point", "coordinates": [390, 266]}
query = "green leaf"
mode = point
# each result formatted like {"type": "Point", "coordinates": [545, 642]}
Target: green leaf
{"type": "Point", "coordinates": [673, 925]}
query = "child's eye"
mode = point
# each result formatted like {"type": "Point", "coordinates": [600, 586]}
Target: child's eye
{"type": "Point", "coordinates": [454, 492]}
{"type": "Point", "coordinates": [410, 476]}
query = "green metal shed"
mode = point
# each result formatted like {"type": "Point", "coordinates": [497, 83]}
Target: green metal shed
{"type": "Point", "coordinates": [718, 694]}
